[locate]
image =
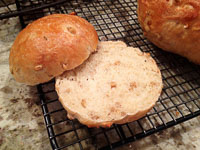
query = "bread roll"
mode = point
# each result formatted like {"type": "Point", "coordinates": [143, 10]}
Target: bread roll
{"type": "Point", "coordinates": [49, 46]}
{"type": "Point", "coordinates": [172, 25]}
{"type": "Point", "coordinates": [117, 84]}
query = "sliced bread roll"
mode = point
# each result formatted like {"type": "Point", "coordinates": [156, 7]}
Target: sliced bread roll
{"type": "Point", "coordinates": [49, 46]}
{"type": "Point", "coordinates": [117, 84]}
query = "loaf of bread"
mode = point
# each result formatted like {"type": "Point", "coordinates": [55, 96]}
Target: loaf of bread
{"type": "Point", "coordinates": [49, 46]}
{"type": "Point", "coordinates": [117, 84]}
{"type": "Point", "coordinates": [172, 25]}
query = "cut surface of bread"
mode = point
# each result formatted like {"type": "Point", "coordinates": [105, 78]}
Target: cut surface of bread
{"type": "Point", "coordinates": [117, 84]}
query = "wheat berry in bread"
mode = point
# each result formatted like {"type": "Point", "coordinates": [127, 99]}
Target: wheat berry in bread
{"type": "Point", "coordinates": [49, 46]}
{"type": "Point", "coordinates": [172, 25]}
{"type": "Point", "coordinates": [117, 84]}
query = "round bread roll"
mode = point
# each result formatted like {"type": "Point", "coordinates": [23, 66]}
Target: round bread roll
{"type": "Point", "coordinates": [49, 46]}
{"type": "Point", "coordinates": [117, 84]}
{"type": "Point", "coordinates": [172, 25]}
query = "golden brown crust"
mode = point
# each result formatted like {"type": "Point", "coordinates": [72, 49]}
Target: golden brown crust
{"type": "Point", "coordinates": [49, 46]}
{"type": "Point", "coordinates": [173, 25]}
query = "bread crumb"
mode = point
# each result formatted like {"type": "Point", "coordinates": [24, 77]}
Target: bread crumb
{"type": "Point", "coordinates": [140, 53]}
{"type": "Point", "coordinates": [72, 13]}
{"type": "Point", "coordinates": [64, 66]}
{"type": "Point", "coordinates": [38, 67]}
{"type": "Point", "coordinates": [83, 103]}
{"type": "Point", "coordinates": [68, 90]}
{"type": "Point", "coordinates": [177, 113]}
{"type": "Point", "coordinates": [72, 79]}
{"type": "Point", "coordinates": [93, 116]}
{"type": "Point", "coordinates": [153, 83]}
{"type": "Point", "coordinates": [117, 63]}
{"type": "Point", "coordinates": [132, 86]}
{"type": "Point", "coordinates": [71, 30]}
{"type": "Point", "coordinates": [112, 109]}
{"type": "Point", "coordinates": [113, 85]}
{"type": "Point", "coordinates": [123, 113]}
{"type": "Point", "coordinates": [117, 104]}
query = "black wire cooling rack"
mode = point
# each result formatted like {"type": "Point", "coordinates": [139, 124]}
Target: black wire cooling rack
{"type": "Point", "coordinates": [12, 8]}
{"type": "Point", "coordinates": [113, 20]}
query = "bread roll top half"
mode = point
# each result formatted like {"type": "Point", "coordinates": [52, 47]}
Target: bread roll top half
{"type": "Point", "coordinates": [49, 46]}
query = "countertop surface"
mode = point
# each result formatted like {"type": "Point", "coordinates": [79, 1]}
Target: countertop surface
{"type": "Point", "coordinates": [22, 125]}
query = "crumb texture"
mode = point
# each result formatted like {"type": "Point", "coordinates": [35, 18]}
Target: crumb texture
{"type": "Point", "coordinates": [115, 82]}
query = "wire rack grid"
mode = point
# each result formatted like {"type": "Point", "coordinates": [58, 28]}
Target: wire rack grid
{"type": "Point", "coordinates": [117, 20]}
{"type": "Point", "coordinates": [12, 8]}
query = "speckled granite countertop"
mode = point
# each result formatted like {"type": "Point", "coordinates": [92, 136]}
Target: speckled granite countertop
{"type": "Point", "coordinates": [21, 121]}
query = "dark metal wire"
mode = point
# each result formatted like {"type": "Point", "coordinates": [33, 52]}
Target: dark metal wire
{"type": "Point", "coordinates": [6, 5]}
{"type": "Point", "coordinates": [14, 13]}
